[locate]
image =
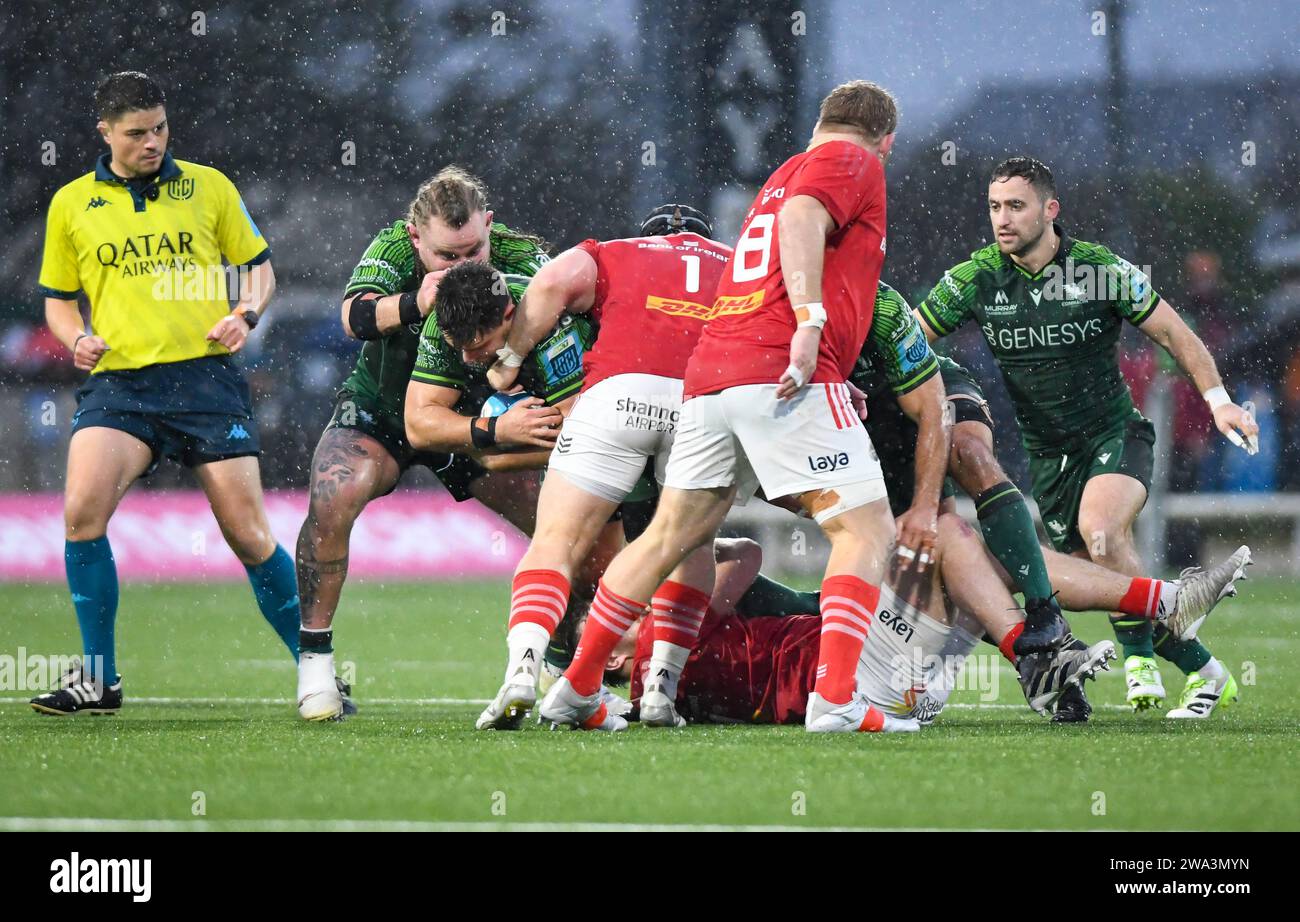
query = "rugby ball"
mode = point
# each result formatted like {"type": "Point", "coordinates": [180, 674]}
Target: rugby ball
{"type": "Point", "coordinates": [499, 403]}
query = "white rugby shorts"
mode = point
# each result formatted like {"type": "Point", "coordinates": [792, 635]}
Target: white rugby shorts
{"type": "Point", "coordinates": [745, 436]}
{"type": "Point", "coordinates": [615, 426]}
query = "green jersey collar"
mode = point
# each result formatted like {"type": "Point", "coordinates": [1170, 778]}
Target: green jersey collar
{"type": "Point", "coordinates": [1010, 267]}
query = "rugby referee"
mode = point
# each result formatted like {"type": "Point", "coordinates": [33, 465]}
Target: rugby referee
{"type": "Point", "coordinates": [144, 236]}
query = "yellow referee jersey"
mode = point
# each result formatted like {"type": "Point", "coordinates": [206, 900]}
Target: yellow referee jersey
{"type": "Point", "coordinates": [149, 258]}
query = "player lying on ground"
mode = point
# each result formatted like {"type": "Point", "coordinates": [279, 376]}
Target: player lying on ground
{"type": "Point", "coordinates": [754, 665]}
{"type": "Point", "coordinates": [767, 405]}
{"type": "Point", "coordinates": [890, 365]}
{"type": "Point", "coordinates": [144, 236]}
{"type": "Point", "coordinates": [1051, 308]}
{"type": "Point", "coordinates": [650, 296]}
{"type": "Point", "coordinates": [363, 452]}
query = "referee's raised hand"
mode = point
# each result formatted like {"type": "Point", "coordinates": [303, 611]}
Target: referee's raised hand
{"type": "Point", "coordinates": [231, 331]}
{"type": "Point", "coordinates": [87, 351]}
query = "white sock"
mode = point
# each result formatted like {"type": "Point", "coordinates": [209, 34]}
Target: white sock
{"type": "Point", "coordinates": [667, 660]}
{"type": "Point", "coordinates": [1212, 671]}
{"type": "Point", "coordinates": [1168, 595]}
{"type": "Point", "coordinates": [526, 642]}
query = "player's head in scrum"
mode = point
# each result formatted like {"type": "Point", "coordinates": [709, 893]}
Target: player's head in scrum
{"type": "Point", "coordinates": [675, 218]}
{"type": "Point", "coordinates": [448, 221]}
{"type": "Point", "coordinates": [1022, 203]}
{"type": "Point", "coordinates": [133, 122]}
{"type": "Point", "coordinates": [474, 310]}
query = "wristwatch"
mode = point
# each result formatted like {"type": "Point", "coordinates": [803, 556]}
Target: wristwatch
{"type": "Point", "coordinates": [250, 317]}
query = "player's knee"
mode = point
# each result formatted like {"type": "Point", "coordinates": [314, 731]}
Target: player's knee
{"type": "Point", "coordinates": [868, 524]}
{"type": "Point", "coordinates": [335, 504]}
{"type": "Point", "coordinates": [675, 536]}
{"type": "Point", "coordinates": [84, 518]}
{"type": "Point", "coordinates": [973, 461]}
{"type": "Point", "coordinates": [1102, 535]}
{"type": "Point", "coordinates": [953, 528]}
{"type": "Point", "coordinates": [252, 543]}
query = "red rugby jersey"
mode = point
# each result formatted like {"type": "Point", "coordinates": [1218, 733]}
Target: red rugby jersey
{"type": "Point", "coordinates": [747, 340]}
{"type": "Point", "coordinates": [743, 670]}
{"type": "Point", "coordinates": [653, 295]}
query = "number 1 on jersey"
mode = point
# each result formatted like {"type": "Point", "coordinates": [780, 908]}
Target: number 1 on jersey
{"type": "Point", "coordinates": [692, 273]}
{"type": "Point", "coordinates": [751, 242]}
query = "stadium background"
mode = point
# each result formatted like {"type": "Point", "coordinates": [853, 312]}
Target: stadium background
{"type": "Point", "coordinates": [1179, 153]}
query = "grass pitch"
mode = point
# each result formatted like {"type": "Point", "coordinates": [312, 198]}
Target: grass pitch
{"type": "Point", "coordinates": [209, 737]}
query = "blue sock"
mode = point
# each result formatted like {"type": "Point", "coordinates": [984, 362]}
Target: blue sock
{"type": "Point", "coordinates": [275, 586]}
{"type": "Point", "coordinates": [92, 579]}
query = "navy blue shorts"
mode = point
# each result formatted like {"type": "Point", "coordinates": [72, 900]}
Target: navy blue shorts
{"type": "Point", "coordinates": [197, 411]}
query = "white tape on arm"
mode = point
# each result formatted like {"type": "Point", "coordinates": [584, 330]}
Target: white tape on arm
{"type": "Point", "coordinates": [509, 357]}
{"type": "Point", "coordinates": [812, 314]}
{"type": "Point", "coordinates": [1217, 397]}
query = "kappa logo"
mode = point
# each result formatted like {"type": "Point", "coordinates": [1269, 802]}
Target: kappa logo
{"type": "Point", "coordinates": [97, 202]}
{"type": "Point", "coordinates": [1056, 527]}
{"type": "Point", "coordinates": [828, 462]}
{"type": "Point", "coordinates": [237, 431]}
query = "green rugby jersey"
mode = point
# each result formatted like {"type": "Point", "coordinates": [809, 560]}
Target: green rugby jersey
{"type": "Point", "coordinates": [553, 370]}
{"type": "Point", "coordinates": [390, 266]}
{"type": "Point", "coordinates": [896, 353]}
{"type": "Point", "coordinates": [1054, 335]}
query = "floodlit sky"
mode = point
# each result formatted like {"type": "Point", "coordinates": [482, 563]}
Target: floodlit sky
{"type": "Point", "coordinates": [934, 54]}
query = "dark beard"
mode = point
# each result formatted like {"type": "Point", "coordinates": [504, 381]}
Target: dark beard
{"type": "Point", "coordinates": [1029, 246]}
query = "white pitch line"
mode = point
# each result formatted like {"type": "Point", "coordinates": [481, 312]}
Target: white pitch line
{"type": "Point", "coordinates": [361, 702]}
{"type": "Point", "coordinates": [289, 701]}
{"type": "Point", "coordinates": [100, 824]}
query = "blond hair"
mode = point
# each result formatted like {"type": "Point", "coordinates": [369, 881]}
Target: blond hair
{"type": "Point", "coordinates": [453, 194]}
{"type": "Point", "coordinates": [860, 106]}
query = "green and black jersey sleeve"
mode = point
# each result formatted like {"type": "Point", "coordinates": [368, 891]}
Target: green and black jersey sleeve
{"type": "Point", "coordinates": [896, 354]}
{"type": "Point", "coordinates": [952, 302]}
{"type": "Point", "coordinates": [554, 369]}
{"type": "Point", "coordinates": [1123, 285]}
{"type": "Point", "coordinates": [388, 265]}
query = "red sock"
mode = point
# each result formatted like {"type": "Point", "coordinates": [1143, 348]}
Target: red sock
{"type": "Point", "coordinates": [1142, 598]}
{"type": "Point", "coordinates": [539, 597]}
{"type": "Point", "coordinates": [874, 722]}
{"type": "Point", "coordinates": [610, 617]}
{"type": "Point", "coordinates": [1007, 642]}
{"type": "Point", "coordinates": [678, 612]}
{"type": "Point", "coordinates": [848, 605]}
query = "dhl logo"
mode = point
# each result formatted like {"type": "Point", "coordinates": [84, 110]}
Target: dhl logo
{"type": "Point", "coordinates": [722, 307]}
{"type": "Point", "coordinates": [678, 308]}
